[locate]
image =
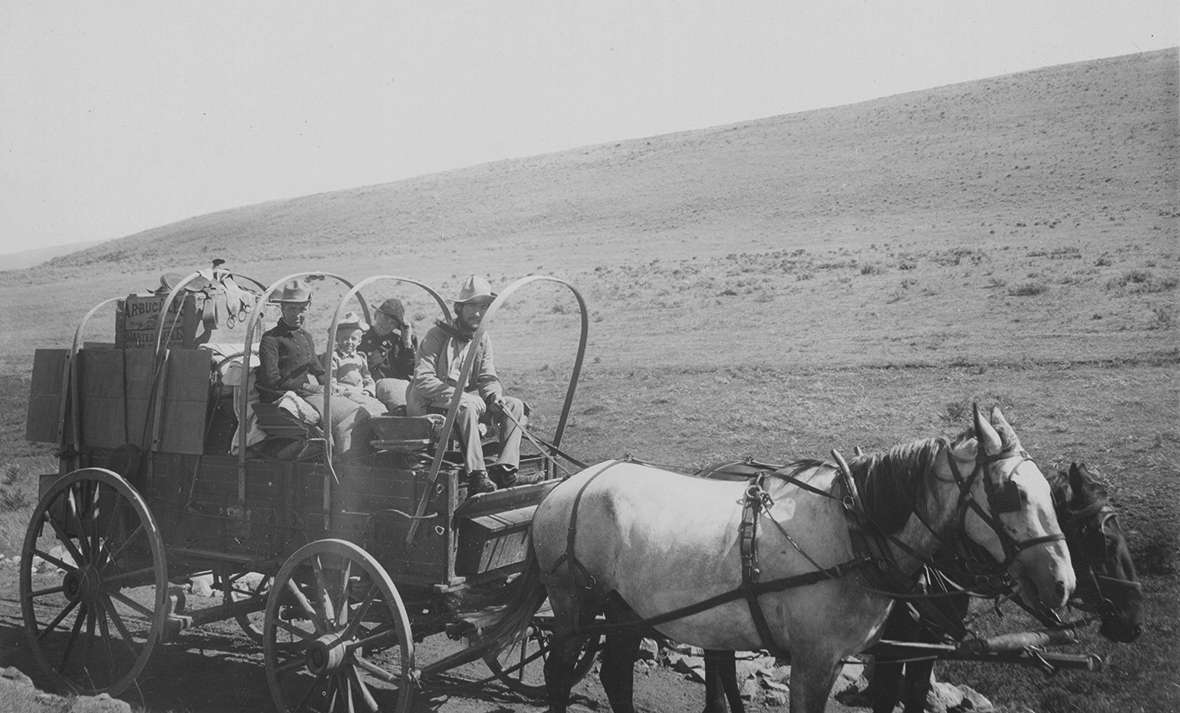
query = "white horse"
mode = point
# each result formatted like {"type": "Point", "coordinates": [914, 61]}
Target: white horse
{"type": "Point", "coordinates": [657, 549]}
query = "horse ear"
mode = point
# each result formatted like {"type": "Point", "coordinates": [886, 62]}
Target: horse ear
{"type": "Point", "coordinates": [1077, 482]}
{"type": "Point", "coordinates": [1007, 435]}
{"type": "Point", "coordinates": [988, 439]}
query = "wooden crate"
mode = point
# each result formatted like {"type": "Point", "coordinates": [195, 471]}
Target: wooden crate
{"type": "Point", "coordinates": [495, 541]}
{"type": "Point", "coordinates": [138, 318]}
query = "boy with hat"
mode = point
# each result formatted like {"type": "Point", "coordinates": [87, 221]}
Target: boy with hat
{"type": "Point", "coordinates": [288, 365]}
{"type": "Point", "coordinates": [350, 377]}
{"type": "Point", "coordinates": [389, 345]}
{"type": "Point", "coordinates": [440, 359]}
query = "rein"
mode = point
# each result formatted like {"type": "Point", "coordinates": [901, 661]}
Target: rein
{"type": "Point", "coordinates": [1004, 497]}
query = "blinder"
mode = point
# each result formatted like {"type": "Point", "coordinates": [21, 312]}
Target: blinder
{"type": "Point", "coordinates": [1005, 497]}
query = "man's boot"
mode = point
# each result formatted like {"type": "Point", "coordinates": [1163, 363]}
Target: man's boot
{"type": "Point", "coordinates": [479, 482]}
{"type": "Point", "coordinates": [502, 474]}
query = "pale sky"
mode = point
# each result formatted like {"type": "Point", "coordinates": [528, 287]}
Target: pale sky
{"type": "Point", "coordinates": [120, 116]}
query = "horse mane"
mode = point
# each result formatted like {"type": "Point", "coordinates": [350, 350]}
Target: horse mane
{"type": "Point", "coordinates": [889, 482]}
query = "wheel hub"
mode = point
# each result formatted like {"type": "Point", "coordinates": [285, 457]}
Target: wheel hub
{"type": "Point", "coordinates": [84, 583]}
{"type": "Point", "coordinates": [326, 654]}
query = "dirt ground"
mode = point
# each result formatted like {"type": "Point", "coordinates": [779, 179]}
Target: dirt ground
{"type": "Point", "coordinates": [223, 671]}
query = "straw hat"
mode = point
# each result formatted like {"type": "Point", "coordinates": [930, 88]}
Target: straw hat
{"type": "Point", "coordinates": [350, 321]}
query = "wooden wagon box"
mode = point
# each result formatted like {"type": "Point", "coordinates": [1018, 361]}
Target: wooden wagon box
{"type": "Point", "coordinates": [493, 541]}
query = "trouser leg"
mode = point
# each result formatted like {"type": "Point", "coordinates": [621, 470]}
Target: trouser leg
{"type": "Point", "coordinates": [391, 392]}
{"type": "Point", "coordinates": [467, 421]}
{"type": "Point", "coordinates": [510, 433]}
{"type": "Point", "coordinates": [347, 418]}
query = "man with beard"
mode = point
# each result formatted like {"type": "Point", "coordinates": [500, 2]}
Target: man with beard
{"type": "Point", "coordinates": [291, 373]}
{"type": "Point", "coordinates": [440, 359]}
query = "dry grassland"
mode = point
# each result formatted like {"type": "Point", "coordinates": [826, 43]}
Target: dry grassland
{"type": "Point", "coordinates": [850, 276]}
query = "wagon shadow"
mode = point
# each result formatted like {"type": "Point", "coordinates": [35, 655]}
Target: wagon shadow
{"type": "Point", "coordinates": [210, 672]}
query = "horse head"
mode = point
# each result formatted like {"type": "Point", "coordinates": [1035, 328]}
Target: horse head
{"type": "Point", "coordinates": [1014, 520]}
{"type": "Point", "coordinates": [1107, 583]}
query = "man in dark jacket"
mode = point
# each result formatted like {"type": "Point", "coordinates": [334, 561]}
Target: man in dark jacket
{"type": "Point", "coordinates": [291, 373]}
{"type": "Point", "coordinates": [390, 345]}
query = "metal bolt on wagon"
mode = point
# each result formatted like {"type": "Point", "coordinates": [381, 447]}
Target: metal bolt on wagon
{"type": "Point", "coordinates": [336, 566]}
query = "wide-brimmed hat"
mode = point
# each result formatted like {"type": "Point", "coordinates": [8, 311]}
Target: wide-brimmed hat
{"type": "Point", "coordinates": [475, 288]}
{"type": "Point", "coordinates": [295, 292]}
{"type": "Point", "coordinates": [350, 321]}
{"type": "Point", "coordinates": [394, 308]}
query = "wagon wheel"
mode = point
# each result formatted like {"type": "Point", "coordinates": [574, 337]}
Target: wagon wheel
{"type": "Point", "coordinates": [521, 664]}
{"type": "Point", "coordinates": [242, 586]}
{"type": "Point", "coordinates": [93, 582]}
{"type": "Point", "coordinates": [336, 635]}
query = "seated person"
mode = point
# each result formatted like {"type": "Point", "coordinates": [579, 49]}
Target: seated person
{"type": "Point", "coordinates": [290, 370]}
{"type": "Point", "coordinates": [348, 368]}
{"type": "Point", "coordinates": [390, 345]}
{"type": "Point", "coordinates": [440, 359]}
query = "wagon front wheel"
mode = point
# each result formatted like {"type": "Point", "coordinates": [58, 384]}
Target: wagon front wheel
{"type": "Point", "coordinates": [336, 636]}
{"type": "Point", "coordinates": [93, 582]}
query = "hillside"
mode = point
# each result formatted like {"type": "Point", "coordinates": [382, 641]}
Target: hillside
{"type": "Point", "coordinates": [1089, 149]}
{"type": "Point", "coordinates": [29, 258]}
{"type": "Point", "coordinates": [1041, 205]}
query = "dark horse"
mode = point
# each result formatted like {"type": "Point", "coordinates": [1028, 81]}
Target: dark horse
{"type": "Point", "coordinates": [1107, 586]}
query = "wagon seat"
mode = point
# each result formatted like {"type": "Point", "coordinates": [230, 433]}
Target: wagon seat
{"type": "Point", "coordinates": [419, 435]}
{"type": "Point", "coordinates": [271, 430]}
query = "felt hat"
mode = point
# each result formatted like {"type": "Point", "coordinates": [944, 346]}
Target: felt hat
{"type": "Point", "coordinates": [394, 308]}
{"type": "Point", "coordinates": [295, 292]}
{"type": "Point", "coordinates": [475, 288]}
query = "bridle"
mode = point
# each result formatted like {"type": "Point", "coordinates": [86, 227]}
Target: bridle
{"type": "Point", "coordinates": [1002, 496]}
{"type": "Point", "coordinates": [1090, 524]}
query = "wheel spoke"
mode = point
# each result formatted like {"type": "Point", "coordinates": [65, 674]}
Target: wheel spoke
{"type": "Point", "coordinates": [366, 695]}
{"type": "Point", "coordinates": [291, 628]}
{"type": "Point", "coordinates": [373, 636]}
{"type": "Point", "coordinates": [74, 510]}
{"type": "Point", "coordinates": [292, 664]}
{"type": "Point", "coordinates": [65, 539]}
{"type": "Point", "coordinates": [324, 598]}
{"type": "Point", "coordinates": [113, 555]}
{"type": "Point", "coordinates": [316, 685]}
{"type": "Point", "coordinates": [106, 640]}
{"type": "Point", "coordinates": [117, 620]}
{"type": "Point", "coordinates": [374, 669]}
{"type": "Point", "coordinates": [42, 592]}
{"type": "Point", "coordinates": [57, 619]}
{"type": "Point", "coordinates": [92, 514]}
{"type": "Point", "coordinates": [65, 656]}
{"type": "Point", "coordinates": [342, 615]}
{"type": "Point", "coordinates": [362, 609]}
{"type": "Point", "coordinates": [147, 613]}
{"type": "Point", "coordinates": [61, 564]}
{"type": "Point", "coordinates": [301, 600]}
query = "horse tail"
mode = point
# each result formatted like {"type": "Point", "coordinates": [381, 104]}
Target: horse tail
{"type": "Point", "coordinates": [525, 597]}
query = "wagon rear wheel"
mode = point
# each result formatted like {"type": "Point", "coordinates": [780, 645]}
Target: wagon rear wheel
{"type": "Point", "coordinates": [521, 664]}
{"type": "Point", "coordinates": [93, 582]}
{"type": "Point", "coordinates": [336, 635]}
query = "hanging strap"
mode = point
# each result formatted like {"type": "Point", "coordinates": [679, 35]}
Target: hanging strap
{"type": "Point", "coordinates": [753, 503]}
